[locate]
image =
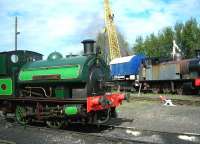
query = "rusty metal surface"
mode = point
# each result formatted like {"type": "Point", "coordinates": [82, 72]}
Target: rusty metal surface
{"type": "Point", "coordinates": [184, 67]}
{"type": "Point", "coordinates": [155, 72]}
{"type": "Point", "coordinates": [169, 71]}
{"type": "Point", "coordinates": [148, 73]}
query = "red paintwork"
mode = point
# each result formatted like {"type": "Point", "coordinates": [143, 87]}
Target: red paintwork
{"type": "Point", "coordinates": [197, 82]}
{"type": "Point", "coordinates": [94, 105]}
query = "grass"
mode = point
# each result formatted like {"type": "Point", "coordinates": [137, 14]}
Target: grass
{"type": "Point", "coordinates": [135, 104]}
{"type": "Point", "coordinates": [169, 96]}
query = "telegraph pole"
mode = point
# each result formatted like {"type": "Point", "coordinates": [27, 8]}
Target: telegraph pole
{"type": "Point", "coordinates": [16, 33]}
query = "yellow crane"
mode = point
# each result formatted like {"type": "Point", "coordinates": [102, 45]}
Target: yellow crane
{"type": "Point", "coordinates": [114, 48]}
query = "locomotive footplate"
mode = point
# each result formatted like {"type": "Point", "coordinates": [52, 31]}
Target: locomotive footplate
{"type": "Point", "coordinates": [49, 100]}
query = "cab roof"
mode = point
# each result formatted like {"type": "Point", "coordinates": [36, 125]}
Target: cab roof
{"type": "Point", "coordinates": [21, 51]}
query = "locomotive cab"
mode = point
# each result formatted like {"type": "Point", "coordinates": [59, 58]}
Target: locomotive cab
{"type": "Point", "coordinates": [10, 63]}
{"type": "Point", "coordinates": [16, 59]}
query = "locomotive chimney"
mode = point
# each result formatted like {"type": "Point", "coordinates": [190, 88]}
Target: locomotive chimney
{"type": "Point", "coordinates": [88, 46]}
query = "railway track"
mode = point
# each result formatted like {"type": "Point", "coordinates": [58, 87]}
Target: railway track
{"type": "Point", "coordinates": [115, 134]}
{"type": "Point", "coordinates": [94, 132]}
{"type": "Point", "coordinates": [6, 142]}
{"type": "Point", "coordinates": [157, 136]}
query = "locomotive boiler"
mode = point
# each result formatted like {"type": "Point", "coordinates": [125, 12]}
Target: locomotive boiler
{"type": "Point", "coordinates": [57, 90]}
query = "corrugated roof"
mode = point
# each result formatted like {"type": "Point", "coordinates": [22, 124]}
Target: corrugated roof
{"type": "Point", "coordinates": [121, 60]}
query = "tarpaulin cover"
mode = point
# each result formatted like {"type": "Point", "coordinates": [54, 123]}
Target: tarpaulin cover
{"type": "Point", "coordinates": [129, 65]}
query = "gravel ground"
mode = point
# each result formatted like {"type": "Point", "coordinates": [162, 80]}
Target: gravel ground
{"type": "Point", "coordinates": [141, 115]}
{"type": "Point", "coordinates": [156, 116]}
{"type": "Point", "coordinates": [16, 134]}
{"type": "Point", "coordinates": [169, 96]}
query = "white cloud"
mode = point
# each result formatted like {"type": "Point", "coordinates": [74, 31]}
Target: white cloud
{"type": "Point", "coordinates": [152, 16]}
{"type": "Point", "coordinates": [60, 25]}
{"type": "Point", "coordinates": [145, 26]}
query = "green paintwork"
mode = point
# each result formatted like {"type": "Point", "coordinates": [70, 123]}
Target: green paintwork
{"type": "Point", "coordinates": [20, 114]}
{"type": "Point", "coordinates": [78, 60]}
{"type": "Point", "coordinates": [59, 93]}
{"type": "Point", "coordinates": [23, 58]}
{"type": "Point", "coordinates": [65, 72]}
{"type": "Point", "coordinates": [70, 69]}
{"type": "Point", "coordinates": [9, 87]}
{"type": "Point", "coordinates": [54, 56]}
{"type": "Point", "coordinates": [62, 93]}
{"type": "Point", "coordinates": [2, 64]}
{"type": "Point", "coordinates": [72, 110]}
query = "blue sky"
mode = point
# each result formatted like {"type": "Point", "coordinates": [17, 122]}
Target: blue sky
{"type": "Point", "coordinates": [60, 25]}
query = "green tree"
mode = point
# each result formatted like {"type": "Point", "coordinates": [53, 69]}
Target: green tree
{"type": "Point", "coordinates": [155, 45]}
{"type": "Point", "coordinates": [102, 42]}
{"type": "Point", "coordinates": [139, 45]}
{"type": "Point", "coordinates": [190, 38]}
{"type": "Point", "coordinates": [187, 37]}
{"type": "Point", "coordinates": [166, 39]}
{"type": "Point", "coordinates": [178, 28]}
{"type": "Point", "coordinates": [123, 44]}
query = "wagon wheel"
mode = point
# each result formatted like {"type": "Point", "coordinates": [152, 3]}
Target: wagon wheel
{"type": "Point", "coordinates": [179, 91]}
{"type": "Point", "coordinates": [21, 115]}
{"type": "Point", "coordinates": [166, 90]}
{"type": "Point", "coordinates": [155, 90]}
{"type": "Point", "coordinates": [56, 124]}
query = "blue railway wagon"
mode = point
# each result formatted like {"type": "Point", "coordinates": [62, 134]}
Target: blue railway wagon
{"type": "Point", "coordinates": [127, 67]}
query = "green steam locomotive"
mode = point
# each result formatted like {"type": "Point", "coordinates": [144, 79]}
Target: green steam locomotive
{"type": "Point", "coordinates": [57, 90]}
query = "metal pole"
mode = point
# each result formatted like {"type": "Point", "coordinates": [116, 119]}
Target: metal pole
{"type": "Point", "coordinates": [140, 86]}
{"type": "Point", "coordinates": [16, 33]}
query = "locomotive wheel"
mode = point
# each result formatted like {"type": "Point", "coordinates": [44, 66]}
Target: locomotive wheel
{"type": "Point", "coordinates": [56, 124]}
{"type": "Point", "coordinates": [20, 114]}
{"type": "Point", "coordinates": [104, 116]}
{"type": "Point", "coordinates": [114, 113]}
